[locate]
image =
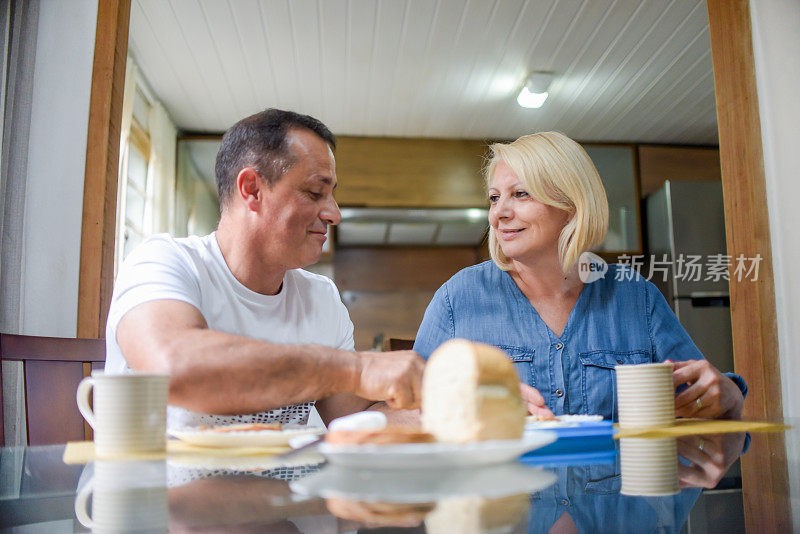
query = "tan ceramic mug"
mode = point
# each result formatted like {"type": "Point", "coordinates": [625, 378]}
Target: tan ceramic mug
{"type": "Point", "coordinates": [645, 395]}
{"type": "Point", "coordinates": [130, 412]}
{"type": "Point", "coordinates": [649, 467]}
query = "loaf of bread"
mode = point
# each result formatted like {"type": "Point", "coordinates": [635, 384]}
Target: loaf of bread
{"type": "Point", "coordinates": [478, 515]}
{"type": "Point", "coordinates": [470, 392]}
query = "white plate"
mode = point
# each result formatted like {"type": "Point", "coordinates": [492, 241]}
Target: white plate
{"type": "Point", "coordinates": [579, 418]}
{"type": "Point", "coordinates": [422, 485]}
{"type": "Point", "coordinates": [245, 438]}
{"type": "Point", "coordinates": [433, 455]}
{"type": "Point", "coordinates": [561, 421]}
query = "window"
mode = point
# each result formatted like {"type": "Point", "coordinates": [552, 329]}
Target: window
{"type": "Point", "coordinates": [134, 197]}
{"type": "Point", "coordinates": [146, 188]}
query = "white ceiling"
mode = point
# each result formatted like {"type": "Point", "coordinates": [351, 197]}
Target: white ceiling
{"type": "Point", "coordinates": [626, 70]}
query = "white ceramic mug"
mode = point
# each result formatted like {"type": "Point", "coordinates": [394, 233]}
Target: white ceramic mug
{"type": "Point", "coordinates": [126, 496]}
{"type": "Point", "coordinates": [130, 412]}
{"type": "Point", "coordinates": [645, 395]}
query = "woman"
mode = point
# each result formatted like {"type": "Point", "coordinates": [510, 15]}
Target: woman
{"type": "Point", "coordinates": [547, 207]}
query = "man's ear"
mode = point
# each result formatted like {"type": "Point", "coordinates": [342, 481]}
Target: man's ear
{"type": "Point", "coordinates": [249, 187]}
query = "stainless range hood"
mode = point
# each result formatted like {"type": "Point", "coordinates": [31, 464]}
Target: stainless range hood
{"type": "Point", "coordinates": [412, 227]}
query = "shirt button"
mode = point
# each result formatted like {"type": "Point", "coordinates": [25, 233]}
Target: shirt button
{"type": "Point", "coordinates": [559, 346]}
{"type": "Point", "coordinates": [565, 502]}
{"type": "Point", "coordinates": [559, 393]}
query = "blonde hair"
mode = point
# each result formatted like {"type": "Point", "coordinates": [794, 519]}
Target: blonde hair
{"type": "Point", "coordinates": [556, 171]}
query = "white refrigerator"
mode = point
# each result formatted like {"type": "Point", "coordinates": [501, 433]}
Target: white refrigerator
{"type": "Point", "coordinates": [685, 219]}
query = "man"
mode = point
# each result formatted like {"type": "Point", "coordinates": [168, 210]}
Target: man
{"type": "Point", "coordinates": [245, 334]}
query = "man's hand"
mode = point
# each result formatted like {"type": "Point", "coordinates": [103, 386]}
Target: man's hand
{"type": "Point", "coordinates": [394, 377]}
{"type": "Point", "coordinates": [709, 394]}
{"type": "Point", "coordinates": [534, 401]}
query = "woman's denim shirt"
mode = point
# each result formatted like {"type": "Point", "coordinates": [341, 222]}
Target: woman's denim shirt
{"type": "Point", "coordinates": [619, 319]}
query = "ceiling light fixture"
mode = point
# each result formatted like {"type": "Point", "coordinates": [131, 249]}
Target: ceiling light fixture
{"type": "Point", "coordinates": [535, 92]}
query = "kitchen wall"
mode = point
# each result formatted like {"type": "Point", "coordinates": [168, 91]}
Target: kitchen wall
{"type": "Point", "coordinates": [658, 163]}
{"type": "Point", "coordinates": [196, 202]}
{"type": "Point", "coordinates": [386, 290]}
{"type": "Point", "coordinates": [410, 172]}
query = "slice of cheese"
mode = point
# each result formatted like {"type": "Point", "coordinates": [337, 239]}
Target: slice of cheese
{"type": "Point", "coordinates": [470, 392]}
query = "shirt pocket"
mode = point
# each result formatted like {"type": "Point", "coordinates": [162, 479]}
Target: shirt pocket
{"type": "Point", "coordinates": [603, 480]}
{"type": "Point", "coordinates": [599, 381]}
{"type": "Point", "coordinates": [523, 364]}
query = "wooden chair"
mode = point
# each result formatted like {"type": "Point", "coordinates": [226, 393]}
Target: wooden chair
{"type": "Point", "coordinates": [52, 368]}
{"type": "Point", "coordinates": [395, 343]}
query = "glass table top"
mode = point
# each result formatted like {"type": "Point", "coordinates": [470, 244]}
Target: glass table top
{"type": "Point", "coordinates": [689, 484]}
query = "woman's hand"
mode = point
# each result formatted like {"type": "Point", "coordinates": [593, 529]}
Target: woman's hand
{"type": "Point", "coordinates": [534, 401]}
{"type": "Point", "coordinates": [711, 456]}
{"type": "Point", "coordinates": [709, 394]}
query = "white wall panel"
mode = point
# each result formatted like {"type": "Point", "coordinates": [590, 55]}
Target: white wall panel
{"type": "Point", "coordinates": [225, 48]}
{"type": "Point", "coordinates": [193, 32]}
{"type": "Point", "coordinates": [435, 68]}
{"type": "Point", "coordinates": [672, 37]}
{"type": "Point", "coordinates": [255, 56]}
{"type": "Point", "coordinates": [334, 63]}
{"type": "Point", "coordinates": [56, 164]}
{"type": "Point", "coordinates": [167, 64]}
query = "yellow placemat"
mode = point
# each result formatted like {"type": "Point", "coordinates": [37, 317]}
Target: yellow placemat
{"type": "Point", "coordinates": [82, 452]}
{"type": "Point", "coordinates": [687, 427]}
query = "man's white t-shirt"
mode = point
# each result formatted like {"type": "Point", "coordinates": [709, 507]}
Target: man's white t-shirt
{"type": "Point", "coordinates": [307, 310]}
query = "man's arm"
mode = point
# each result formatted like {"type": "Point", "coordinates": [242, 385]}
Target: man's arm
{"type": "Point", "coordinates": [220, 373]}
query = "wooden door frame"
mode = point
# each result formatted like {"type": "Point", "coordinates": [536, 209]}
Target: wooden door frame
{"type": "Point", "coordinates": [96, 279]}
{"type": "Point", "coordinates": [753, 310]}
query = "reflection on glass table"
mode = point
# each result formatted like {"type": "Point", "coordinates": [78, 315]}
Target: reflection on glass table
{"type": "Point", "coordinates": [40, 492]}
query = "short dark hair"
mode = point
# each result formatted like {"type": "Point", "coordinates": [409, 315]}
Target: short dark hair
{"type": "Point", "coordinates": [259, 141]}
